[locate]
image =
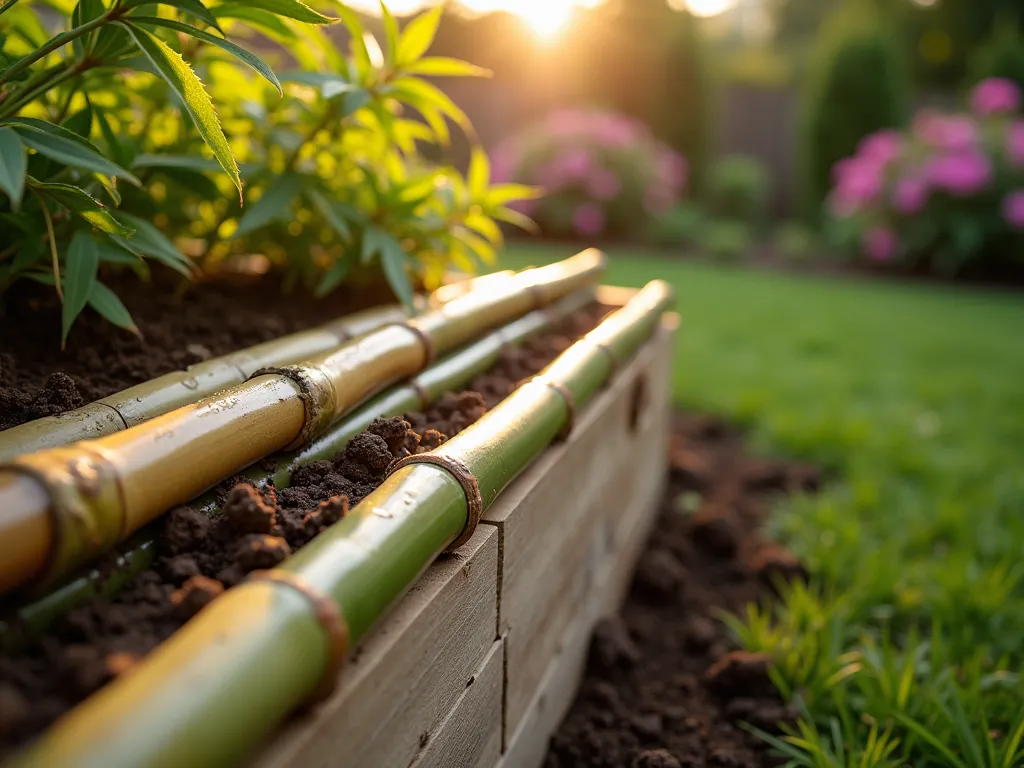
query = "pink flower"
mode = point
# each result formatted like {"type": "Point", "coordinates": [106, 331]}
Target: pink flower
{"type": "Point", "coordinates": [1013, 209]}
{"type": "Point", "coordinates": [566, 122]}
{"type": "Point", "coordinates": [589, 219]}
{"type": "Point", "coordinates": [672, 170]}
{"type": "Point", "coordinates": [603, 184]}
{"type": "Point", "coordinates": [576, 164]}
{"type": "Point", "coordinates": [950, 132]}
{"type": "Point", "coordinates": [615, 131]}
{"type": "Point", "coordinates": [962, 174]}
{"type": "Point", "coordinates": [910, 195]}
{"type": "Point", "coordinates": [995, 96]}
{"type": "Point", "coordinates": [1015, 143]}
{"type": "Point", "coordinates": [858, 184]}
{"type": "Point", "coordinates": [882, 147]}
{"type": "Point", "coordinates": [880, 243]}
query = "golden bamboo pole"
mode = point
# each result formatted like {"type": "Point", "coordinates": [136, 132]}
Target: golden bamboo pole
{"type": "Point", "coordinates": [220, 685]}
{"type": "Point", "coordinates": [163, 394]}
{"type": "Point", "coordinates": [103, 490]}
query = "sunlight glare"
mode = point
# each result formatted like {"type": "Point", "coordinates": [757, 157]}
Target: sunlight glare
{"type": "Point", "coordinates": [704, 8]}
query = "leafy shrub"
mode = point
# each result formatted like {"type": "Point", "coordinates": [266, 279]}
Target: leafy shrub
{"type": "Point", "coordinates": [680, 226]}
{"type": "Point", "coordinates": [105, 166]}
{"type": "Point", "coordinates": [738, 189]}
{"type": "Point", "coordinates": [1002, 55]}
{"type": "Point", "coordinates": [859, 86]}
{"type": "Point", "coordinates": [727, 239]}
{"type": "Point", "coordinates": [947, 195]}
{"type": "Point", "coordinates": [795, 242]}
{"type": "Point", "coordinates": [603, 174]}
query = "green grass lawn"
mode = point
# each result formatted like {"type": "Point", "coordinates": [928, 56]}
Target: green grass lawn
{"type": "Point", "coordinates": [907, 647]}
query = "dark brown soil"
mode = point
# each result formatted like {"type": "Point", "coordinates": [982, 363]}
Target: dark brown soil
{"type": "Point", "coordinates": [664, 686]}
{"type": "Point", "coordinates": [179, 328]}
{"type": "Point", "coordinates": [202, 556]}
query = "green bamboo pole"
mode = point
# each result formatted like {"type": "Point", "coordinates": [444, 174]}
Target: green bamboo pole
{"type": "Point", "coordinates": [165, 393]}
{"type": "Point", "coordinates": [98, 492]}
{"type": "Point", "coordinates": [451, 373]}
{"type": "Point", "coordinates": [216, 689]}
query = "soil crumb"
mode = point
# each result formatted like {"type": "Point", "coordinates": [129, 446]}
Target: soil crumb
{"type": "Point", "coordinates": [664, 686]}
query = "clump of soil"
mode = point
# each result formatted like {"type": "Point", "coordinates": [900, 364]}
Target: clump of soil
{"type": "Point", "coordinates": [179, 329]}
{"type": "Point", "coordinates": [664, 686]}
{"type": "Point", "coordinates": [200, 557]}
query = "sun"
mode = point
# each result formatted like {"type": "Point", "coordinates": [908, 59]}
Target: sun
{"type": "Point", "coordinates": [547, 19]}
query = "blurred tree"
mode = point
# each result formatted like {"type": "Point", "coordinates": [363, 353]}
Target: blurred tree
{"type": "Point", "coordinates": [1001, 56]}
{"type": "Point", "coordinates": [796, 22]}
{"type": "Point", "coordinates": [857, 84]}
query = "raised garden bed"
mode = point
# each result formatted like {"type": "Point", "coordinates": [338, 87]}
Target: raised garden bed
{"type": "Point", "coordinates": [613, 457]}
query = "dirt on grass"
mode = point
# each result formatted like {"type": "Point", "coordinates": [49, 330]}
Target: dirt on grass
{"type": "Point", "coordinates": [179, 328]}
{"type": "Point", "coordinates": [665, 687]}
{"type": "Point", "coordinates": [199, 556]}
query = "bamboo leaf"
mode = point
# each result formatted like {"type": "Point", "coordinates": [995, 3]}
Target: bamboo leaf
{"type": "Point", "coordinates": [192, 7]}
{"type": "Point", "coordinates": [82, 204]}
{"type": "Point", "coordinates": [249, 59]}
{"type": "Point", "coordinates": [268, 22]}
{"type": "Point", "coordinates": [111, 253]}
{"type": "Point", "coordinates": [420, 93]}
{"type": "Point", "coordinates": [333, 277]}
{"type": "Point", "coordinates": [106, 303]}
{"type": "Point", "coordinates": [85, 11]}
{"type": "Point", "coordinates": [292, 9]}
{"type": "Point", "coordinates": [274, 204]}
{"type": "Point", "coordinates": [392, 259]}
{"type": "Point", "coordinates": [390, 34]}
{"type": "Point", "coordinates": [331, 216]}
{"type": "Point", "coordinates": [516, 219]}
{"type": "Point", "coordinates": [418, 36]}
{"type": "Point", "coordinates": [502, 194]}
{"type": "Point", "coordinates": [147, 240]}
{"type": "Point", "coordinates": [444, 66]}
{"type": "Point", "coordinates": [479, 176]}
{"type": "Point", "coordinates": [189, 162]}
{"type": "Point", "coordinates": [486, 227]}
{"type": "Point", "coordinates": [197, 101]}
{"type": "Point", "coordinates": [13, 165]}
{"type": "Point", "coordinates": [80, 266]}
{"type": "Point", "coordinates": [71, 152]}
{"type": "Point", "coordinates": [115, 148]}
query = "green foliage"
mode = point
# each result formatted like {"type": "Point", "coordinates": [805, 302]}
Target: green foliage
{"type": "Point", "coordinates": [738, 189]}
{"type": "Point", "coordinates": [858, 84]}
{"type": "Point", "coordinates": [680, 226]}
{"type": "Point", "coordinates": [910, 398]}
{"type": "Point", "coordinates": [795, 242]}
{"type": "Point", "coordinates": [727, 239]}
{"type": "Point", "coordinates": [1002, 55]}
{"type": "Point", "coordinates": [130, 136]}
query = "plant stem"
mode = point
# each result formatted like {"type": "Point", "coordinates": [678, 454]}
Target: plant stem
{"type": "Point", "coordinates": [27, 95]}
{"type": "Point", "coordinates": [54, 256]}
{"type": "Point", "coordinates": [57, 41]}
{"type": "Point", "coordinates": [7, 6]}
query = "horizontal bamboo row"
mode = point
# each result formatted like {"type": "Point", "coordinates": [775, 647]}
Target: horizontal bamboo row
{"type": "Point", "coordinates": [163, 394]}
{"type": "Point", "coordinates": [62, 507]}
{"type": "Point", "coordinates": [219, 686]}
{"type": "Point", "coordinates": [449, 374]}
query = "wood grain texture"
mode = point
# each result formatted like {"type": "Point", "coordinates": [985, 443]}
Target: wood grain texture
{"type": "Point", "coordinates": [564, 517]}
{"type": "Point", "coordinates": [408, 675]}
{"type": "Point", "coordinates": [471, 734]}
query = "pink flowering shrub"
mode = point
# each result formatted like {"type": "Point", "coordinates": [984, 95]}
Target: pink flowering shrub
{"type": "Point", "coordinates": [603, 174]}
{"type": "Point", "coordinates": [948, 194]}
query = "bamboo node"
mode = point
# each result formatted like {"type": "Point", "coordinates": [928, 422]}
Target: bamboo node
{"type": "Point", "coordinates": [317, 395]}
{"type": "Point", "coordinates": [424, 339]}
{"type": "Point", "coordinates": [328, 615]}
{"type": "Point", "coordinates": [86, 507]}
{"type": "Point", "coordinates": [457, 469]}
{"type": "Point", "coordinates": [422, 393]}
{"type": "Point", "coordinates": [609, 353]}
{"type": "Point", "coordinates": [570, 406]}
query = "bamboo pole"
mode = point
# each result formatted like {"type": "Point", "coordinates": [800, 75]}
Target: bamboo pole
{"type": "Point", "coordinates": [101, 491]}
{"type": "Point", "coordinates": [163, 394]}
{"type": "Point", "coordinates": [223, 683]}
{"type": "Point", "coordinates": [451, 373]}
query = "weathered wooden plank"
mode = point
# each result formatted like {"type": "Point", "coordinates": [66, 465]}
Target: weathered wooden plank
{"type": "Point", "coordinates": [561, 519]}
{"type": "Point", "coordinates": [410, 672]}
{"type": "Point", "coordinates": [471, 734]}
